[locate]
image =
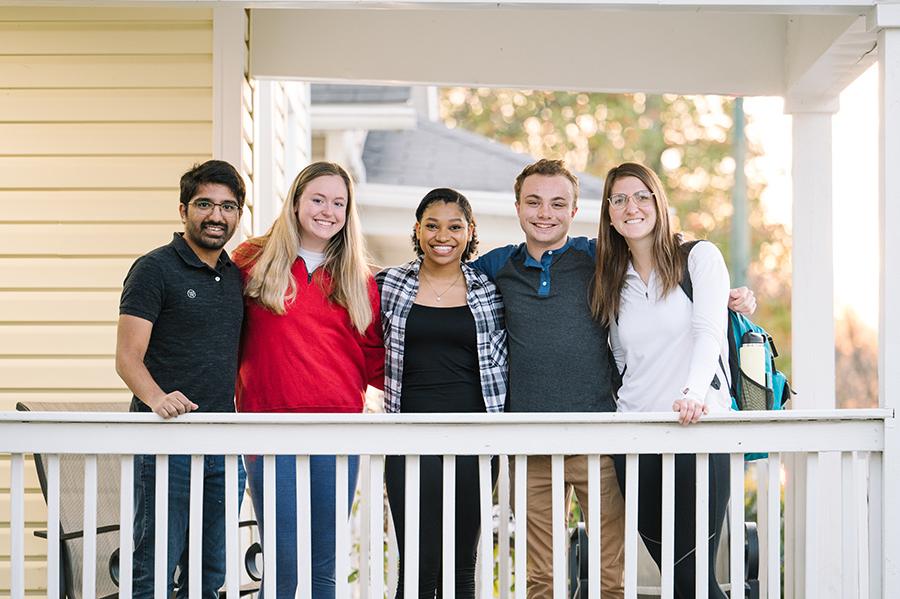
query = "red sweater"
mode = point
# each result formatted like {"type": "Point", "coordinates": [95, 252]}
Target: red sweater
{"type": "Point", "coordinates": [311, 358]}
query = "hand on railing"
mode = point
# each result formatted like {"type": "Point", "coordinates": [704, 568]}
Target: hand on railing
{"type": "Point", "coordinates": [172, 404]}
{"type": "Point", "coordinates": [689, 410]}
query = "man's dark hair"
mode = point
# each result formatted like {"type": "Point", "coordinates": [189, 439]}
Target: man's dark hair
{"type": "Point", "coordinates": [212, 171]}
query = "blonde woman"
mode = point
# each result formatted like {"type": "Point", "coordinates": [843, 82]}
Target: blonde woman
{"type": "Point", "coordinates": [311, 343]}
{"type": "Point", "coordinates": [669, 349]}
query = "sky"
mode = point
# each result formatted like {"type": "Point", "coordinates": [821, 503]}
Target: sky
{"type": "Point", "coordinates": [854, 187]}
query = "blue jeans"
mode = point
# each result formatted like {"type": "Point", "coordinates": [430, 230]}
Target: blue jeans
{"type": "Point", "coordinates": [322, 499]}
{"type": "Point", "coordinates": [213, 552]}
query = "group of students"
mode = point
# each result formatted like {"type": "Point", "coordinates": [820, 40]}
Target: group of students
{"type": "Point", "coordinates": [298, 323]}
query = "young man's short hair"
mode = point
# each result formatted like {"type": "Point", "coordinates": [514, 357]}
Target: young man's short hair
{"type": "Point", "coordinates": [547, 168]}
{"type": "Point", "coordinates": [212, 171]}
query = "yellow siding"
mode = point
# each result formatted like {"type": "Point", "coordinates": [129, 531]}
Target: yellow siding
{"type": "Point", "coordinates": [101, 111]}
{"type": "Point", "coordinates": [96, 205]}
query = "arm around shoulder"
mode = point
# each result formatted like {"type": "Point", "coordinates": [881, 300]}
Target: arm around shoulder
{"type": "Point", "coordinates": [491, 262]}
{"type": "Point", "coordinates": [372, 343]}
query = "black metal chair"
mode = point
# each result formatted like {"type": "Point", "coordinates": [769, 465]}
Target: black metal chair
{"type": "Point", "coordinates": [71, 512]}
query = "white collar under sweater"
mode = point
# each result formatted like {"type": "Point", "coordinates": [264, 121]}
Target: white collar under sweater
{"type": "Point", "coordinates": [312, 259]}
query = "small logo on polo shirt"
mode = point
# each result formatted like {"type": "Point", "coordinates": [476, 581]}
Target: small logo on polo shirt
{"type": "Point", "coordinates": [191, 293]}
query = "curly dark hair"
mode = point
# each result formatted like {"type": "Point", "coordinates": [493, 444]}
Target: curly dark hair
{"type": "Point", "coordinates": [448, 196]}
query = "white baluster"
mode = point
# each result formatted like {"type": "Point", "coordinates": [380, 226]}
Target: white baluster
{"type": "Point", "coordinates": [449, 527]}
{"type": "Point", "coordinates": [667, 572]}
{"type": "Point", "coordinates": [376, 527]}
{"type": "Point", "coordinates": [304, 528]}
{"type": "Point", "coordinates": [761, 470]}
{"type": "Point", "coordinates": [849, 523]}
{"type": "Point", "coordinates": [631, 534]}
{"type": "Point", "coordinates": [53, 545]}
{"type": "Point", "coordinates": [270, 517]}
{"type": "Point", "coordinates": [773, 524]}
{"type": "Point", "coordinates": [411, 523]}
{"type": "Point", "coordinates": [341, 529]}
{"type": "Point", "coordinates": [366, 497]}
{"type": "Point", "coordinates": [486, 548]}
{"type": "Point", "coordinates": [593, 526]}
{"type": "Point", "coordinates": [737, 526]}
{"type": "Point", "coordinates": [876, 524]}
{"type": "Point", "coordinates": [503, 529]}
{"type": "Point", "coordinates": [521, 511]}
{"type": "Point", "coordinates": [89, 546]}
{"type": "Point", "coordinates": [860, 481]}
{"type": "Point", "coordinates": [17, 526]}
{"type": "Point", "coordinates": [161, 541]}
{"type": "Point", "coordinates": [812, 524]}
{"type": "Point", "coordinates": [232, 541]}
{"type": "Point", "coordinates": [195, 544]}
{"type": "Point", "coordinates": [559, 526]}
{"type": "Point", "coordinates": [701, 573]}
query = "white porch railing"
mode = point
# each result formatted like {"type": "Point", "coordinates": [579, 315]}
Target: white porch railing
{"type": "Point", "coordinates": [804, 437]}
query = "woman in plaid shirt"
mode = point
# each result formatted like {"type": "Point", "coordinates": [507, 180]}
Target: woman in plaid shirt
{"type": "Point", "coordinates": [445, 345]}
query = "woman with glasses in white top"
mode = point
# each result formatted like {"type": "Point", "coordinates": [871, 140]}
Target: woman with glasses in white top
{"type": "Point", "coordinates": [668, 348]}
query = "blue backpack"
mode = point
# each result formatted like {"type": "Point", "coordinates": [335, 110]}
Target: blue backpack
{"type": "Point", "coordinates": [746, 394]}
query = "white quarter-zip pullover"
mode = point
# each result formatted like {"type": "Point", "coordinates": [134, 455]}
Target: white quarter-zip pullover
{"type": "Point", "coordinates": [671, 346]}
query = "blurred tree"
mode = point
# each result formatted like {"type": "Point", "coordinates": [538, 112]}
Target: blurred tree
{"type": "Point", "coordinates": [685, 139]}
{"type": "Point", "coordinates": [856, 359]}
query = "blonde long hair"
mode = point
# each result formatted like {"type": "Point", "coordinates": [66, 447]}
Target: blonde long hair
{"type": "Point", "coordinates": [270, 281]}
{"type": "Point", "coordinates": [612, 250]}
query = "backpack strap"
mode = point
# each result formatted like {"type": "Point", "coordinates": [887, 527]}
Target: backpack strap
{"type": "Point", "coordinates": [688, 287]}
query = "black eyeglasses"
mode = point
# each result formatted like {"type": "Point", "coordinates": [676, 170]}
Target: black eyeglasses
{"type": "Point", "coordinates": [207, 206]}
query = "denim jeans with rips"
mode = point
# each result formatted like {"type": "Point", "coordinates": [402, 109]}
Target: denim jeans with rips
{"type": "Point", "coordinates": [213, 552]}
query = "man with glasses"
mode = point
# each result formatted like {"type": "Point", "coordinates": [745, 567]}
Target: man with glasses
{"type": "Point", "coordinates": [179, 327]}
{"type": "Point", "coordinates": [559, 358]}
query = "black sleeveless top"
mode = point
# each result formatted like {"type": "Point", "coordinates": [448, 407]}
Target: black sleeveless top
{"type": "Point", "coordinates": [440, 361]}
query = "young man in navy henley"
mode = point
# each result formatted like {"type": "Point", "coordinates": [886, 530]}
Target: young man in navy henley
{"type": "Point", "coordinates": [179, 327]}
{"type": "Point", "coordinates": [559, 357]}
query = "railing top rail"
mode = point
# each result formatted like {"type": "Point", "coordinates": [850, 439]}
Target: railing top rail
{"type": "Point", "coordinates": [511, 418]}
{"type": "Point", "coordinates": [465, 434]}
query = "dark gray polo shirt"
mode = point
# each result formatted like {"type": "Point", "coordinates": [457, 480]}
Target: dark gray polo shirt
{"type": "Point", "coordinates": [196, 313]}
{"type": "Point", "coordinates": [559, 357]}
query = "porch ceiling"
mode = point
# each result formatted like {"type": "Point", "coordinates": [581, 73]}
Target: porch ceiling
{"type": "Point", "coordinates": [750, 50]}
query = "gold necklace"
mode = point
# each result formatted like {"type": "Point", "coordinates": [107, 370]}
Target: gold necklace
{"type": "Point", "coordinates": [433, 290]}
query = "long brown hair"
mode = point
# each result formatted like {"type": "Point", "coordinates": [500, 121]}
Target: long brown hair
{"type": "Point", "coordinates": [271, 282]}
{"type": "Point", "coordinates": [612, 250]}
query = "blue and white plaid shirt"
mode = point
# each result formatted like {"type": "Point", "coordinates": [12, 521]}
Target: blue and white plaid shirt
{"type": "Point", "coordinates": [399, 286]}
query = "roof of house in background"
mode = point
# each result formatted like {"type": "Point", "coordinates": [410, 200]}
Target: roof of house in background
{"type": "Point", "coordinates": [360, 94]}
{"type": "Point", "coordinates": [431, 154]}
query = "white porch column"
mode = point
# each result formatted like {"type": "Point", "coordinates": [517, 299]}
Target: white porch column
{"type": "Point", "coordinates": [888, 19]}
{"type": "Point", "coordinates": [813, 367]}
{"type": "Point", "coordinates": [229, 72]}
{"type": "Point", "coordinates": [282, 145]}
{"type": "Point", "coordinates": [233, 103]}
{"type": "Point", "coordinates": [812, 303]}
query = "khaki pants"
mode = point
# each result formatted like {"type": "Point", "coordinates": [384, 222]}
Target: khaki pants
{"type": "Point", "coordinates": [540, 536]}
